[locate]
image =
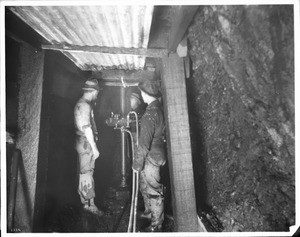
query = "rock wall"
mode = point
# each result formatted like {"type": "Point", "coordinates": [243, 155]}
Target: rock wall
{"type": "Point", "coordinates": [241, 103]}
{"type": "Point", "coordinates": [31, 79]}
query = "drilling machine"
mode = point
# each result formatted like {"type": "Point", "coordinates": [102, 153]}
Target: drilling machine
{"type": "Point", "coordinates": [123, 123]}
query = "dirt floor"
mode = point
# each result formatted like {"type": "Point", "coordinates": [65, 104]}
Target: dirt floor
{"type": "Point", "coordinates": [241, 104]}
{"type": "Point", "coordinates": [116, 205]}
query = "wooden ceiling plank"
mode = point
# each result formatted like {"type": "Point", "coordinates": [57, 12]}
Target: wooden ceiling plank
{"type": "Point", "coordinates": [152, 53]}
{"type": "Point", "coordinates": [115, 83]}
{"type": "Point", "coordinates": [127, 75]}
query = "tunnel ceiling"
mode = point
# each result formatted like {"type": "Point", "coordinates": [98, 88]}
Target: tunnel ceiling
{"type": "Point", "coordinates": [116, 44]}
{"type": "Point", "coordinates": [81, 26]}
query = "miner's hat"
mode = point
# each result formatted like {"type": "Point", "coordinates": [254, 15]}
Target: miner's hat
{"type": "Point", "coordinates": [91, 84]}
{"type": "Point", "coordinates": [150, 88]}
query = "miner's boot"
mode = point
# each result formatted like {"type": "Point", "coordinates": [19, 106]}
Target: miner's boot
{"type": "Point", "coordinates": [92, 208]}
{"type": "Point", "coordinates": [157, 214]}
{"type": "Point", "coordinates": [147, 212]}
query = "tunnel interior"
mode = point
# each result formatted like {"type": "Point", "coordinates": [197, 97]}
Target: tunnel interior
{"type": "Point", "coordinates": [62, 180]}
{"type": "Point", "coordinates": [62, 199]}
{"type": "Point", "coordinates": [240, 99]}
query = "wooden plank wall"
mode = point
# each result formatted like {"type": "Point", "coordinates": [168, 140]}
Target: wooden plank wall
{"type": "Point", "coordinates": [179, 147]}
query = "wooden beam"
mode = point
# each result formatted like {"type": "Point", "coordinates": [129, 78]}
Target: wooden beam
{"type": "Point", "coordinates": [154, 53]}
{"type": "Point", "coordinates": [118, 83]}
{"type": "Point", "coordinates": [127, 75]}
{"type": "Point", "coordinates": [179, 147]}
{"type": "Point", "coordinates": [181, 18]}
{"type": "Point", "coordinates": [160, 27]}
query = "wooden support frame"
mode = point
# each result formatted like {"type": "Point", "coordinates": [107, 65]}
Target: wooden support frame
{"type": "Point", "coordinates": [181, 18]}
{"type": "Point", "coordinates": [152, 53]}
{"type": "Point", "coordinates": [118, 83]}
{"type": "Point", "coordinates": [129, 77]}
{"type": "Point", "coordinates": [179, 147]}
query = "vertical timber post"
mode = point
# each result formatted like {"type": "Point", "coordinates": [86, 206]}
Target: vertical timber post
{"type": "Point", "coordinates": [179, 147]}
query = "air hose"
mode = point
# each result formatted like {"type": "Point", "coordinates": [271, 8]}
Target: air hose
{"type": "Point", "coordinates": [135, 180]}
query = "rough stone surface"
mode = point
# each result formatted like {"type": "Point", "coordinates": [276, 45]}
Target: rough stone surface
{"type": "Point", "coordinates": [30, 94]}
{"type": "Point", "coordinates": [241, 103]}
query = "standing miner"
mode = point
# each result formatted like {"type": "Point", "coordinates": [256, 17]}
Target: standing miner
{"type": "Point", "coordinates": [86, 144]}
{"type": "Point", "coordinates": [150, 156]}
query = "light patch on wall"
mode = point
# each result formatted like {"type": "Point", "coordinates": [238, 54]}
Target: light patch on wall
{"type": "Point", "coordinates": [225, 24]}
{"type": "Point", "coordinates": [275, 136]}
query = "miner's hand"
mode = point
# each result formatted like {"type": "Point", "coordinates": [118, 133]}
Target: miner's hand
{"type": "Point", "coordinates": [96, 154]}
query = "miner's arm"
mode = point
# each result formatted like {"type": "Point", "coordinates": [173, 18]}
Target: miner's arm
{"type": "Point", "coordinates": [83, 121]}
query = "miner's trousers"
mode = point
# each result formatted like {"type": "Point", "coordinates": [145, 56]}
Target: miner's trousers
{"type": "Point", "coordinates": [86, 166]}
{"type": "Point", "coordinates": [152, 192]}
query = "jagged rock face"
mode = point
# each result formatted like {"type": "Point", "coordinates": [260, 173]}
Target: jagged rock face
{"type": "Point", "coordinates": [241, 107]}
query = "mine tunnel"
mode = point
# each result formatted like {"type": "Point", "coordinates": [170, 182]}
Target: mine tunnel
{"type": "Point", "coordinates": [226, 78]}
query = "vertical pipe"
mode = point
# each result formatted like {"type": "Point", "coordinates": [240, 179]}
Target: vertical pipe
{"type": "Point", "coordinates": [123, 141]}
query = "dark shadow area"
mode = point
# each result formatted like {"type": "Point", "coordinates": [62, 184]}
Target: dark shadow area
{"type": "Point", "coordinates": [62, 165]}
{"type": "Point", "coordinates": [107, 168]}
{"type": "Point", "coordinates": [20, 31]}
{"type": "Point", "coordinates": [12, 85]}
{"type": "Point", "coordinates": [205, 211]}
{"type": "Point", "coordinates": [199, 155]}
{"type": "Point", "coordinates": [12, 90]}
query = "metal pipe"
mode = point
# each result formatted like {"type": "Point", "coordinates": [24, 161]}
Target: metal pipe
{"type": "Point", "coordinates": [135, 190]}
{"type": "Point", "coordinates": [136, 125]}
{"type": "Point", "coordinates": [123, 142]}
{"type": "Point", "coordinates": [136, 174]}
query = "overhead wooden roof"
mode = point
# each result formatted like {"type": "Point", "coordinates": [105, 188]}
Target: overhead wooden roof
{"type": "Point", "coordinates": [90, 26]}
{"type": "Point", "coordinates": [116, 43]}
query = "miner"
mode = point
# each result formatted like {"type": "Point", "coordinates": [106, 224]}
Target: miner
{"type": "Point", "coordinates": [85, 145]}
{"type": "Point", "coordinates": [150, 156]}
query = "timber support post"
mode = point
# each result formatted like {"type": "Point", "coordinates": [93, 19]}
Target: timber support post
{"type": "Point", "coordinates": [179, 144]}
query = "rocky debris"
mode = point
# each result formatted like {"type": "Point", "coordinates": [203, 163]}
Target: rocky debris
{"type": "Point", "coordinates": [210, 221]}
{"type": "Point", "coordinates": [241, 108]}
